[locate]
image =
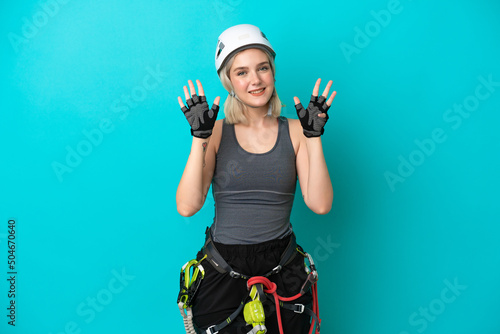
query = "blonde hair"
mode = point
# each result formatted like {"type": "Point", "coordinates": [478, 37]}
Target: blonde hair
{"type": "Point", "coordinates": [234, 109]}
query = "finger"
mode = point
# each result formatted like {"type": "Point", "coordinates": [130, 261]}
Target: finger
{"type": "Point", "coordinates": [186, 93]}
{"type": "Point", "coordinates": [191, 88]}
{"type": "Point", "coordinates": [299, 108]}
{"type": "Point", "coordinates": [214, 111]}
{"type": "Point", "coordinates": [200, 88]}
{"type": "Point", "coordinates": [327, 88]}
{"type": "Point", "coordinates": [217, 100]}
{"type": "Point", "coordinates": [323, 115]}
{"type": "Point", "coordinates": [330, 100]}
{"type": "Point", "coordinates": [296, 100]}
{"type": "Point", "coordinates": [316, 87]}
{"type": "Point", "coordinates": [181, 104]}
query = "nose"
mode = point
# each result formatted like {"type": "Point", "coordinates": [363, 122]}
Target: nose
{"type": "Point", "coordinates": [255, 78]}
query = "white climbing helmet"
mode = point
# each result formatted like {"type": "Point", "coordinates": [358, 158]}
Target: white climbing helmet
{"type": "Point", "coordinates": [238, 38]}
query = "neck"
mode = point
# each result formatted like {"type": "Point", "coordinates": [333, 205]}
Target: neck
{"type": "Point", "coordinates": [257, 116]}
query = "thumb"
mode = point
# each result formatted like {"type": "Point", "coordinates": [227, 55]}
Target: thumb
{"type": "Point", "coordinates": [296, 100]}
{"type": "Point", "coordinates": [217, 100]}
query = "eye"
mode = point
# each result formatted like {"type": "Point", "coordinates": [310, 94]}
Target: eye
{"type": "Point", "coordinates": [264, 68]}
{"type": "Point", "coordinates": [240, 73]}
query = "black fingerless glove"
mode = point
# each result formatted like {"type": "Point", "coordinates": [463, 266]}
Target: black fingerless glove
{"type": "Point", "coordinates": [198, 115]}
{"type": "Point", "coordinates": [312, 124]}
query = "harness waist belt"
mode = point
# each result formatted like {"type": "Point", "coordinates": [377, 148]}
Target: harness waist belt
{"type": "Point", "coordinates": [218, 262]}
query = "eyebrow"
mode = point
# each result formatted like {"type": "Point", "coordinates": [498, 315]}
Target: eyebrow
{"type": "Point", "coordinates": [245, 67]}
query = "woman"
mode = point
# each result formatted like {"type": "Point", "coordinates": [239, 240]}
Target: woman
{"type": "Point", "coordinates": [252, 159]}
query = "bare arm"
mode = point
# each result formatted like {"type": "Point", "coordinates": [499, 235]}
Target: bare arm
{"type": "Point", "coordinates": [312, 171]}
{"type": "Point", "coordinates": [195, 181]}
{"type": "Point", "coordinates": [197, 176]}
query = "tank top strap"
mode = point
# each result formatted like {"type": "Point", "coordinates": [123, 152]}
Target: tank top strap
{"type": "Point", "coordinates": [228, 136]}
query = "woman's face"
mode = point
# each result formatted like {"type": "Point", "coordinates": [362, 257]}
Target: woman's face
{"type": "Point", "coordinates": [252, 77]}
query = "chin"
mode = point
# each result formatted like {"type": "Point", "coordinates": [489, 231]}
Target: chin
{"type": "Point", "coordinates": [254, 104]}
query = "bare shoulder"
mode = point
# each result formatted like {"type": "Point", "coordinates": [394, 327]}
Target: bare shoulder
{"type": "Point", "coordinates": [293, 123]}
{"type": "Point", "coordinates": [295, 133]}
{"type": "Point", "coordinates": [216, 134]}
{"type": "Point", "coordinates": [218, 125]}
{"type": "Point", "coordinates": [295, 128]}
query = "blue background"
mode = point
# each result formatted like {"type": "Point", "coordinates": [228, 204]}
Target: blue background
{"type": "Point", "coordinates": [389, 250]}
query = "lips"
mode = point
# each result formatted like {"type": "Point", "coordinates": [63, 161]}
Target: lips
{"type": "Point", "coordinates": [257, 92]}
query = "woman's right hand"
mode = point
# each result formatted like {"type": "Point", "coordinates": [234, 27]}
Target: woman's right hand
{"type": "Point", "coordinates": [314, 118]}
{"type": "Point", "coordinates": [198, 115]}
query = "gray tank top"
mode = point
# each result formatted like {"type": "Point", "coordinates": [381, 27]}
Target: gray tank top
{"type": "Point", "coordinates": [253, 192]}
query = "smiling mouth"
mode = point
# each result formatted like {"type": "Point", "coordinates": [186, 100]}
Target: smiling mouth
{"type": "Point", "coordinates": [257, 92]}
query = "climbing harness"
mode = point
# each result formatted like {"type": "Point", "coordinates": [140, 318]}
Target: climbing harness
{"type": "Point", "coordinates": [260, 288]}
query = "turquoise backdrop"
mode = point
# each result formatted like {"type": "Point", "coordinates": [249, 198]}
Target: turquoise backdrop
{"type": "Point", "coordinates": [93, 144]}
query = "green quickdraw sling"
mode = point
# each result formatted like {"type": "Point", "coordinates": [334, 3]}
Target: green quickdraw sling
{"type": "Point", "coordinates": [191, 275]}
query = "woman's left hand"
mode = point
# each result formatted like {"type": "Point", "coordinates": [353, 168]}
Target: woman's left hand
{"type": "Point", "coordinates": [314, 118]}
